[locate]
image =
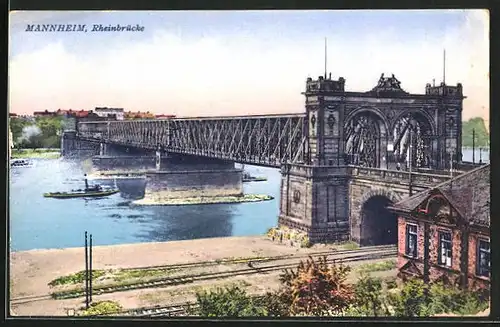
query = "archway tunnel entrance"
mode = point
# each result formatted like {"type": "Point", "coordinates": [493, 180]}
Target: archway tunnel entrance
{"type": "Point", "coordinates": [379, 226]}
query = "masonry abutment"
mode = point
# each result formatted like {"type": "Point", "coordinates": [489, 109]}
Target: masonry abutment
{"type": "Point", "coordinates": [74, 147]}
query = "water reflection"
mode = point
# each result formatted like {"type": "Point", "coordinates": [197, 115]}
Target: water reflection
{"type": "Point", "coordinates": [192, 222]}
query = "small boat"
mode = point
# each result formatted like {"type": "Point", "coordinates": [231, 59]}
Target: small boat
{"type": "Point", "coordinates": [90, 192]}
{"type": "Point", "coordinates": [249, 178]}
{"type": "Point", "coordinates": [21, 163]}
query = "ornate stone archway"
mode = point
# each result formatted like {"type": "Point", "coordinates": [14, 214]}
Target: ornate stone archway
{"type": "Point", "coordinates": [365, 137]}
{"type": "Point", "coordinates": [413, 138]}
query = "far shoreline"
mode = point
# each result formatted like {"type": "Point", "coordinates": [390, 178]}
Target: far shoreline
{"type": "Point", "coordinates": [35, 154]}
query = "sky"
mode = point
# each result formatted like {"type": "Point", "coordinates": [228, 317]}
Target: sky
{"type": "Point", "coordinates": [204, 63]}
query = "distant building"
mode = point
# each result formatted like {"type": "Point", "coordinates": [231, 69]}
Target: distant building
{"type": "Point", "coordinates": [162, 116]}
{"type": "Point", "coordinates": [444, 232]}
{"type": "Point", "coordinates": [13, 115]}
{"type": "Point", "coordinates": [45, 113]}
{"type": "Point", "coordinates": [139, 115]}
{"type": "Point", "coordinates": [118, 113]}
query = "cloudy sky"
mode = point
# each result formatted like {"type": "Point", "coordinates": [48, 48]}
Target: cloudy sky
{"type": "Point", "coordinates": [241, 62]}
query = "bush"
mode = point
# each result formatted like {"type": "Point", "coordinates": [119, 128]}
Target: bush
{"type": "Point", "coordinates": [317, 288]}
{"type": "Point", "coordinates": [369, 298]}
{"type": "Point", "coordinates": [102, 308]}
{"type": "Point", "coordinates": [227, 302]}
{"type": "Point", "coordinates": [412, 300]}
{"type": "Point", "coordinates": [76, 278]}
{"type": "Point", "coordinates": [450, 299]}
{"type": "Point", "coordinates": [419, 299]}
{"type": "Point", "coordinates": [305, 243]}
{"type": "Point", "coordinates": [390, 283]}
{"type": "Point", "coordinates": [277, 304]}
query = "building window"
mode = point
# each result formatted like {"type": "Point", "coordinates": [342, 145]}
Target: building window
{"type": "Point", "coordinates": [411, 241]}
{"type": "Point", "coordinates": [445, 247]}
{"type": "Point", "coordinates": [483, 258]}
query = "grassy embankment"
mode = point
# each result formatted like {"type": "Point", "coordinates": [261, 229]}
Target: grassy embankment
{"type": "Point", "coordinates": [35, 153]}
{"type": "Point", "coordinates": [203, 200]}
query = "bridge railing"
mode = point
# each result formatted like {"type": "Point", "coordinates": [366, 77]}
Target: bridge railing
{"type": "Point", "coordinates": [399, 177]}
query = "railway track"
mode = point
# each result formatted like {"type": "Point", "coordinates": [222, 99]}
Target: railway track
{"type": "Point", "coordinates": [259, 259]}
{"type": "Point", "coordinates": [186, 279]}
{"type": "Point", "coordinates": [33, 298]}
{"type": "Point", "coordinates": [256, 260]}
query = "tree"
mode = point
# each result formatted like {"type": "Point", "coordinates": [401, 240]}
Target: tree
{"type": "Point", "coordinates": [227, 302]}
{"type": "Point", "coordinates": [482, 136]}
{"type": "Point", "coordinates": [317, 288]}
{"type": "Point", "coordinates": [16, 127]}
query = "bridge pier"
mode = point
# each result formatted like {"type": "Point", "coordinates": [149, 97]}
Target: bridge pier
{"type": "Point", "coordinates": [183, 176]}
{"type": "Point", "coordinates": [74, 147]}
{"type": "Point", "coordinates": [123, 163]}
{"type": "Point", "coordinates": [315, 200]}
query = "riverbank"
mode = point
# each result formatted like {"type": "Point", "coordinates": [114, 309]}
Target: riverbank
{"type": "Point", "coordinates": [32, 271]}
{"type": "Point", "coordinates": [35, 154]}
{"type": "Point", "coordinates": [203, 200]}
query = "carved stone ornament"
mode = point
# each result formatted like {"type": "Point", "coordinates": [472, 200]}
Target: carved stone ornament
{"type": "Point", "coordinates": [391, 113]}
{"type": "Point", "coordinates": [451, 122]}
{"type": "Point", "coordinates": [331, 121]}
{"type": "Point", "coordinates": [296, 196]}
{"type": "Point", "coordinates": [313, 121]}
{"type": "Point", "coordinates": [388, 85]}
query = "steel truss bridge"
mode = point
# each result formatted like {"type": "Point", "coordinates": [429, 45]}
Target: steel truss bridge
{"type": "Point", "coordinates": [265, 140]}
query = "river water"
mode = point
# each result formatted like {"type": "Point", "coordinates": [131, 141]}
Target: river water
{"type": "Point", "coordinates": [41, 223]}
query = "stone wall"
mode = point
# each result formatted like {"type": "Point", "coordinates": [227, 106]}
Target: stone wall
{"type": "Point", "coordinates": [186, 184]}
{"type": "Point", "coordinates": [173, 162]}
{"type": "Point", "coordinates": [103, 163]}
{"type": "Point", "coordinates": [315, 200]}
{"type": "Point", "coordinates": [73, 147]}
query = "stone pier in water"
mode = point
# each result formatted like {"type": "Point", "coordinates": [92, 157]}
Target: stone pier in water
{"type": "Point", "coordinates": [184, 176]}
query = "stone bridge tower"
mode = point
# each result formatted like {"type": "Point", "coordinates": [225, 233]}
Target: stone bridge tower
{"type": "Point", "coordinates": [383, 128]}
{"type": "Point", "coordinates": [314, 194]}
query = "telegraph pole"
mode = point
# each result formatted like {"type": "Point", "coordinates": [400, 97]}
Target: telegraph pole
{"type": "Point", "coordinates": [444, 66]}
{"type": "Point", "coordinates": [410, 159]}
{"type": "Point", "coordinates": [86, 273]}
{"type": "Point", "coordinates": [473, 146]}
{"type": "Point", "coordinates": [90, 270]}
{"type": "Point", "coordinates": [325, 56]}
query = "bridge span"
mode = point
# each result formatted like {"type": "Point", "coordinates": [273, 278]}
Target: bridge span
{"type": "Point", "coordinates": [343, 161]}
